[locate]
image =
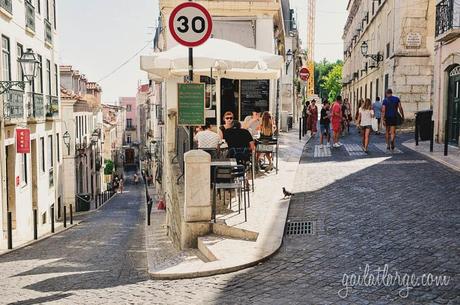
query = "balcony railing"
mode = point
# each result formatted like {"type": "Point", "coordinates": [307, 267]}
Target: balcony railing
{"type": "Point", "coordinates": [14, 104]}
{"type": "Point", "coordinates": [447, 17]}
{"type": "Point", "coordinates": [52, 106]}
{"type": "Point", "coordinates": [30, 15]}
{"type": "Point", "coordinates": [131, 127]}
{"type": "Point", "coordinates": [48, 32]}
{"type": "Point", "coordinates": [38, 106]}
{"type": "Point", "coordinates": [7, 5]}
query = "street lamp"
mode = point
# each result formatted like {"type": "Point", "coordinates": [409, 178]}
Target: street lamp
{"type": "Point", "coordinates": [365, 49]}
{"type": "Point", "coordinates": [66, 139]}
{"type": "Point", "coordinates": [29, 63]}
{"type": "Point", "coordinates": [94, 137]}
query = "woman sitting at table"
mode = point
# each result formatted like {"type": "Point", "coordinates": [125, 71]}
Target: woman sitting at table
{"type": "Point", "coordinates": [267, 129]}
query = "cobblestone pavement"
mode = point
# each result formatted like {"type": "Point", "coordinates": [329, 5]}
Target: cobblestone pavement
{"type": "Point", "coordinates": [399, 210]}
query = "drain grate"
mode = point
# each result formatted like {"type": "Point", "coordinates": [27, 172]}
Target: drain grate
{"type": "Point", "coordinates": [300, 228]}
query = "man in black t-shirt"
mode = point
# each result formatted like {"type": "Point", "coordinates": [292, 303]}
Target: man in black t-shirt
{"type": "Point", "coordinates": [240, 142]}
{"type": "Point", "coordinates": [324, 124]}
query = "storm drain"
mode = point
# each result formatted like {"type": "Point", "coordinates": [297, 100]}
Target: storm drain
{"type": "Point", "coordinates": [300, 228]}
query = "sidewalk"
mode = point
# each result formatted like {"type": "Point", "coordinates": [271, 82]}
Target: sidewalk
{"type": "Point", "coordinates": [234, 243]}
{"type": "Point", "coordinates": [452, 160]}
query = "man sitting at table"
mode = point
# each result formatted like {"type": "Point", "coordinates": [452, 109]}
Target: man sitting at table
{"type": "Point", "coordinates": [240, 142]}
{"type": "Point", "coordinates": [207, 139]}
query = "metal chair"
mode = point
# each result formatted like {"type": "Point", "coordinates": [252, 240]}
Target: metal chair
{"type": "Point", "coordinates": [245, 157]}
{"type": "Point", "coordinates": [229, 178]}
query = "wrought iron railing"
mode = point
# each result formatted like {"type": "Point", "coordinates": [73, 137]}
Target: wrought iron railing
{"type": "Point", "coordinates": [7, 5]}
{"type": "Point", "coordinates": [38, 106]}
{"type": "Point", "coordinates": [447, 16]}
{"type": "Point", "coordinates": [30, 15]}
{"type": "Point", "coordinates": [48, 32]}
{"type": "Point", "coordinates": [52, 106]}
{"type": "Point", "coordinates": [14, 104]}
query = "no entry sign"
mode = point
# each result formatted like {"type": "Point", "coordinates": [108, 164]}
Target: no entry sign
{"type": "Point", "coordinates": [190, 24]}
{"type": "Point", "coordinates": [304, 74]}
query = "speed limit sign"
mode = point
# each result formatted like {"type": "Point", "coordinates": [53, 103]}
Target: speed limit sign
{"type": "Point", "coordinates": [190, 24]}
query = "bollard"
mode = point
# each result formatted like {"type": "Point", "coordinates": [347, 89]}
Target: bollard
{"type": "Point", "coordinates": [10, 230]}
{"type": "Point", "coordinates": [300, 129]}
{"type": "Point", "coordinates": [71, 215]}
{"type": "Point", "coordinates": [52, 219]}
{"type": "Point", "coordinates": [65, 216]}
{"type": "Point", "coordinates": [416, 130]}
{"type": "Point", "coordinates": [35, 225]}
{"type": "Point", "coordinates": [432, 136]}
{"type": "Point", "coordinates": [149, 210]}
{"type": "Point", "coordinates": [446, 138]}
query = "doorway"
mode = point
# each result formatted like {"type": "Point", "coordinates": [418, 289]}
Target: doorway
{"type": "Point", "coordinates": [11, 182]}
{"type": "Point", "coordinates": [453, 106]}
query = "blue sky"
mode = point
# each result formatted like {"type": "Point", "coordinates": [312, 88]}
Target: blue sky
{"type": "Point", "coordinates": [98, 36]}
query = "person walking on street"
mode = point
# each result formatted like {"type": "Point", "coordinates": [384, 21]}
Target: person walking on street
{"type": "Point", "coordinates": [324, 124]}
{"type": "Point", "coordinates": [392, 116]}
{"type": "Point", "coordinates": [121, 186]}
{"type": "Point", "coordinates": [336, 120]}
{"type": "Point", "coordinates": [377, 107]}
{"type": "Point", "coordinates": [312, 119]}
{"type": "Point", "coordinates": [305, 116]}
{"type": "Point", "coordinates": [346, 115]}
{"type": "Point", "coordinates": [365, 121]}
{"type": "Point", "coordinates": [360, 104]}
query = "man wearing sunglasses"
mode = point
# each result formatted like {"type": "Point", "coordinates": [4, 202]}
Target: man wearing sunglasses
{"type": "Point", "coordinates": [228, 120]}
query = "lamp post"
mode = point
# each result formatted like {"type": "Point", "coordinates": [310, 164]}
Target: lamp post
{"type": "Point", "coordinates": [289, 55]}
{"type": "Point", "coordinates": [29, 63]}
{"type": "Point", "coordinates": [66, 139]}
{"type": "Point", "coordinates": [365, 49]}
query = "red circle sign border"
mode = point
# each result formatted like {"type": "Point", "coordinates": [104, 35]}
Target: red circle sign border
{"type": "Point", "coordinates": [171, 24]}
{"type": "Point", "coordinates": [306, 72]}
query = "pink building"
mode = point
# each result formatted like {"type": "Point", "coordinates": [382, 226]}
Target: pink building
{"type": "Point", "coordinates": [129, 103]}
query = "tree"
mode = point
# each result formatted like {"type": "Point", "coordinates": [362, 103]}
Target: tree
{"type": "Point", "coordinates": [108, 169]}
{"type": "Point", "coordinates": [332, 82]}
{"type": "Point", "coordinates": [322, 69]}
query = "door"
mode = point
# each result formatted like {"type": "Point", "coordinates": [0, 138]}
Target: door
{"type": "Point", "coordinates": [129, 156]}
{"type": "Point", "coordinates": [453, 109]}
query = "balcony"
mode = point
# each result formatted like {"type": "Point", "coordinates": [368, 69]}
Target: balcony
{"type": "Point", "coordinates": [30, 16]}
{"type": "Point", "coordinates": [447, 20]}
{"type": "Point", "coordinates": [48, 33]}
{"type": "Point", "coordinates": [52, 106]}
{"type": "Point", "coordinates": [14, 104]}
{"type": "Point", "coordinates": [38, 106]}
{"type": "Point", "coordinates": [131, 127]}
{"type": "Point", "coordinates": [7, 6]}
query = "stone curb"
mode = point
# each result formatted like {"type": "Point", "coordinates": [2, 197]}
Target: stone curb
{"type": "Point", "coordinates": [48, 235]}
{"type": "Point", "coordinates": [217, 271]}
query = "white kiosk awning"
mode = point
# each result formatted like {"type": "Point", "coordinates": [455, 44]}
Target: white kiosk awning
{"type": "Point", "coordinates": [227, 59]}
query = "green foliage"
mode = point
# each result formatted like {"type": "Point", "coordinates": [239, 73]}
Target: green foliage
{"type": "Point", "coordinates": [332, 82]}
{"type": "Point", "coordinates": [108, 169]}
{"type": "Point", "coordinates": [322, 69]}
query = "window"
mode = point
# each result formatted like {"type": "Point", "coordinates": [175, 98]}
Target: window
{"type": "Point", "coordinates": [19, 51]}
{"type": "Point", "coordinates": [86, 124]}
{"type": "Point", "coordinates": [39, 7]}
{"type": "Point", "coordinates": [370, 91]}
{"type": "Point", "coordinates": [129, 123]}
{"type": "Point", "coordinates": [50, 151]}
{"type": "Point", "coordinates": [42, 144]}
{"type": "Point", "coordinates": [44, 218]}
{"type": "Point", "coordinates": [54, 14]}
{"type": "Point", "coordinates": [388, 50]}
{"type": "Point", "coordinates": [58, 148]}
{"type": "Point", "coordinates": [386, 82]}
{"type": "Point", "coordinates": [48, 75]}
{"type": "Point", "coordinates": [47, 9]}
{"type": "Point", "coordinates": [365, 91]}
{"type": "Point", "coordinates": [361, 92]}
{"type": "Point", "coordinates": [24, 168]}
{"type": "Point", "coordinates": [6, 59]}
{"type": "Point", "coordinates": [128, 139]}
{"type": "Point", "coordinates": [128, 108]}
{"type": "Point", "coordinates": [39, 78]}
{"type": "Point", "coordinates": [56, 80]}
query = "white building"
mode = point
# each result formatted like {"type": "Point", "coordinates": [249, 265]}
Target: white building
{"type": "Point", "coordinates": [400, 51]}
{"type": "Point", "coordinates": [30, 181]}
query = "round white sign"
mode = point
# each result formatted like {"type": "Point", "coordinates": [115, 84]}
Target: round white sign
{"type": "Point", "coordinates": [190, 24]}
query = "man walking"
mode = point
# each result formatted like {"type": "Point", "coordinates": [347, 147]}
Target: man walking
{"type": "Point", "coordinates": [377, 107]}
{"type": "Point", "coordinates": [391, 109]}
{"type": "Point", "coordinates": [336, 120]}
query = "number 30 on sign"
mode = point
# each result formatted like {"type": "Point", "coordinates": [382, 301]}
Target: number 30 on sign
{"type": "Point", "coordinates": [190, 24]}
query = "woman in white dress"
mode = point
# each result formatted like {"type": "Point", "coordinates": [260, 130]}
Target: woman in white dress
{"type": "Point", "coordinates": [366, 114]}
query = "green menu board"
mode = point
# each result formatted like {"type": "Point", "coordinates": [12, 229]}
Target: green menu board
{"type": "Point", "coordinates": [191, 98]}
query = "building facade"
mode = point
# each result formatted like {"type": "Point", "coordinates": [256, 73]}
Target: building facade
{"type": "Point", "coordinates": [446, 95]}
{"type": "Point", "coordinates": [399, 36]}
{"type": "Point", "coordinates": [30, 182]}
{"type": "Point", "coordinates": [82, 117]}
{"type": "Point", "coordinates": [130, 141]}
{"type": "Point", "coordinates": [114, 120]}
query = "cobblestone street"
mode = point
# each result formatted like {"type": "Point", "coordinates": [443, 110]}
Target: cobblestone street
{"type": "Point", "coordinates": [400, 210]}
